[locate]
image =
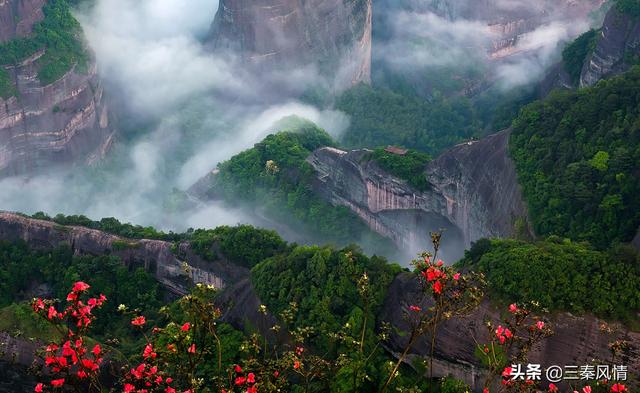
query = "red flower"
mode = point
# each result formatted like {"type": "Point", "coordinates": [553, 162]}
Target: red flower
{"type": "Point", "coordinates": [138, 321]}
{"type": "Point", "coordinates": [38, 388]}
{"type": "Point", "coordinates": [38, 304]}
{"type": "Point", "coordinates": [56, 383]}
{"type": "Point", "coordinates": [507, 333]}
{"type": "Point", "coordinates": [169, 389]}
{"type": "Point", "coordinates": [96, 350]}
{"type": "Point", "coordinates": [240, 381]}
{"type": "Point", "coordinates": [485, 390]}
{"type": "Point", "coordinates": [440, 263]}
{"type": "Point", "coordinates": [437, 287]}
{"type": "Point", "coordinates": [618, 388]}
{"type": "Point", "coordinates": [296, 365]}
{"type": "Point", "coordinates": [252, 389]}
{"type": "Point", "coordinates": [251, 378]}
{"type": "Point", "coordinates": [237, 369]}
{"type": "Point", "coordinates": [540, 325]}
{"type": "Point", "coordinates": [415, 308]}
{"type": "Point", "coordinates": [192, 348]}
{"type": "Point", "coordinates": [586, 389]}
{"type": "Point", "coordinates": [128, 388]}
{"type": "Point", "coordinates": [553, 388]}
{"type": "Point", "coordinates": [513, 308]}
{"type": "Point", "coordinates": [456, 276]}
{"type": "Point", "coordinates": [276, 373]}
{"type": "Point", "coordinates": [507, 372]}
{"type": "Point", "coordinates": [185, 327]}
{"type": "Point", "coordinates": [148, 352]}
{"type": "Point", "coordinates": [80, 286]}
{"type": "Point", "coordinates": [52, 313]}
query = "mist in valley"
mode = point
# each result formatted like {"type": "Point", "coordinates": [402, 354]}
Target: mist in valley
{"type": "Point", "coordinates": [182, 109]}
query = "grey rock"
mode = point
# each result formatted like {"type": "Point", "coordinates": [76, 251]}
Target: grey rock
{"type": "Point", "coordinates": [335, 35]}
{"type": "Point", "coordinates": [473, 193]}
{"type": "Point", "coordinates": [620, 40]}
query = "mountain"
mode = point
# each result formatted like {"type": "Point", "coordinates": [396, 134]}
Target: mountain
{"type": "Point", "coordinates": [52, 108]}
{"type": "Point", "coordinates": [334, 35]}
{"type": "Point", "coordinates": [460, 195]}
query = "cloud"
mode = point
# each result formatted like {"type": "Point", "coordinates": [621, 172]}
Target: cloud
{"type": "Point", "coordinates": [513, 40]}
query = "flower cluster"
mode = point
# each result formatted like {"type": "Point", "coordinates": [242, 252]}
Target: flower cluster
{"type": "Point", "coordinates": [70, 360]}
{"type": "Point", "coordinates": [242, 381]}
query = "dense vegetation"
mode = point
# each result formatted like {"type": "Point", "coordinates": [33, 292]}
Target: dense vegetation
{"type": "Point", "coordinates": [381, 117]}
{"type": "Point", "coordinates": [59, 34]}
{"type": "Point", "coordinates": [409, 167]}
{"type": "Point", "coordinates": [631, 7]}
{"type": "Point", "coordinates": [244, 245]}
{"type": "Point", "coordinates": [577, 155]}
{"type": "Point", "coordinates": [23, 270]}
{"type": "Point", "coordinates": [561, 275]}
{"type": "Point", "coordinates": [274, 175]}
{"type": "Point", "coordinates": [322, 281]}
{"type": "Point", "coordinates": [7, 89]}
{"type": "Point", "coordinates": [574, 55]}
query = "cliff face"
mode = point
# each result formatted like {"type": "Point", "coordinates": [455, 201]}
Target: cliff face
{"type": "Point", "coordinates": [508, 22]}
{"type": "Point", "coordinates": [618, 45]}
{"type": "Point", "coordinates": [335, 35]}
{"type": "Point", "coordinates": [473, 193]}
{"type": "Point", "coordinates": [65, 121]}
{"type": "Point", "coordinates": [577, 340]}
{"type": "Point", "coordinates": [175, 271]}
{"type": "Point", "coordinates": [17, 17]}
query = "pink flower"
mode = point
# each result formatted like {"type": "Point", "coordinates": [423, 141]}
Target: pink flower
{"type": "Point", "coordinates": [456, 276]}
{"type": "Point", "coordinates": [38, 388]}
{"type": "Point", "coordinates": [192, 348]}
{"type": "Point", "coordinates": [80, 286]}
{"type": "Point", "coordinates": [251, 378]}
{"type": "Point", "coordinates": [553, 388]}
{"type": "Point", "coordinates": [616, 388]}
{"type": "Point", "coordinates": [56, 383]}
{"type": "Point", "coordinates": [138, 321]}
{"type": "Point", "coordinates": [128, 388]}
{"type": "Point", "coordinates": [237, 369]}
{"type": "Point", "coordinates": [437, 287]}
{"type": "Point", "coordinates": [507, 333]}
{"type": "Point", "coordinates": [499, 331]}
{"type": "Point", "coordinates": [415, 308]}
{"type": "Point", "coordinates": [586, 389]}
{"type": "Point", "coordinates": [540, 325]}
{"type": "Point", "coordinates": [513, 308]}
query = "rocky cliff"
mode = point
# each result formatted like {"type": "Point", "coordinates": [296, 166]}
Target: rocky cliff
{"type": "Point", "coordinates": [473, 193]}
{"type": "Point", "coordinates": [577, 340]}
{"type": "Point", "coordinates": [335, 35]}
{"type": "Point", "coordinates": [508, 22]}
{"type": "Point", "coordinates": [175, 267]}
{"type": "Point", "coordinates": [617, 49]}
{"type": "Point", "coordinates": [43, 124]}
{"type": "Point", "coordinates": [18, 17]}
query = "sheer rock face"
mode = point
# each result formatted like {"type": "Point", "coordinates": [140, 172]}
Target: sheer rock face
{"type": "Point", "coordinates": [176, 271]}
{"type": "Point", "coordinates": [17, 17]}
{"type": "Point", "coordinates": [619, 41]}
{"type": "Point", "coordinates": [334, 35]}
{"type": "Point", "coordinates": [577, 340]}
{"type": "Point", "coordinates": [473, 192]}
{"type": "Point", "coordinates": [509, 22]}
{"type": "Point", "coordinates": [65, 121]}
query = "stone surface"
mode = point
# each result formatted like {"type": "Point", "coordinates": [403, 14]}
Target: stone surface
{"type": "Point", "coordinates": [577, 340]}
{"type": "Point", "coordinates": [473, 193]}
{"type": "Point", "coordinates": [334, 35]}
{"type": "Point", "coordinates": [177, 272]}
{"type": "Point", "coordinates": [17, 17]}
{"type": "Point", "coordinates": [620, 40]}
{"type": "Point", "coordinates": [65, 121]}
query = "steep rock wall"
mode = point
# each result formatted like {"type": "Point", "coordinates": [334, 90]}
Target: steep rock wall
{"type": "Point", "coordinates": [473, 192]}
{"type": "Point", "coordinates": [577, 340]}
{"type": "Point", "coordinates": [65, 121]}
{"type": "Point", "coordinates": [618, 43]}
{"type": "Point", "coordinates": [335, 35]}
{"type": "Point", "coordinates": [17, 17]}
{"type": "Point", "coordinates": [175, 271]}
